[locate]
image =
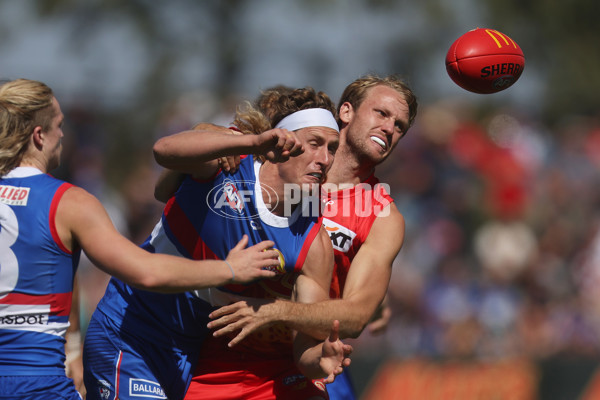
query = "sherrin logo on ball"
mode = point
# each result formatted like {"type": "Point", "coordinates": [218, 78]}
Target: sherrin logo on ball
{"type": "Point", "coordinates": [484, 61]}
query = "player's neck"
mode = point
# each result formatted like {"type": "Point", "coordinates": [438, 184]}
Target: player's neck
{"type": "Point", "coordinates": [276, 189]}
{"type": "Point", "coordinates": [31, 162]}
{"type": "Point", "coordinates": [347, 169]}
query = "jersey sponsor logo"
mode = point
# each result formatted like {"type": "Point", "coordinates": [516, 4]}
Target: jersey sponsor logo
{"type": "Point", "coordinates": [229, 199]}
{"type": "Point", "coordinates": [17, 320]}
{"type": "Point", "coordinates": [341, 237]}
{"type": "Point", "coordinates": [13, 195]}
{"type": "Point", "coordinates": [24, 314]}
{"type": "Point", "coordinates": [145, 388]}
{"type": "Point", "coordinates": [32, 318]}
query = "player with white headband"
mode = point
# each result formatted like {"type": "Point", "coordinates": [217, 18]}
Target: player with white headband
{"type": "Point", "coordinates": [374, 114]}
{"type": "Point", "coordinates": [306, 118]}
{"type": "Point", "coordinates": [140, 345]}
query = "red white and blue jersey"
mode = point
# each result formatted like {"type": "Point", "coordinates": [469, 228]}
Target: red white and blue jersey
{"type": "Point", "coordinates": [36, 275]}
{"type": "Point", "coordinates": [348, 216]}
{"type": "Point", "coordinates": [205, 220]}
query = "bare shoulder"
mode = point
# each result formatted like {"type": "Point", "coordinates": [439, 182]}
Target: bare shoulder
{"type": "Point", "coordinates": [76, 198]}
{"type": "Point", "coordinates": [79, 210]}
{"type": "Point", "coordinates": [388, 228]}
{"type": "Point", "coordinates": [390, 220]}
{"type": "Point", "coordinates": [323, 243]}
{"type": "Point", "coordinates": [320, 252]}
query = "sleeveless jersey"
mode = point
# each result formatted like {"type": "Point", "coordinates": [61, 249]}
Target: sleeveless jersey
{"type": "Point", "coordinates": [348, 216]}
{"type": "Point", "coordinates": [36, 275]}
{"type": "Point", "coordinates": [204, 220]}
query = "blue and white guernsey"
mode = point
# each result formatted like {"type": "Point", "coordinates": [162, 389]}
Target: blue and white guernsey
{"type": "Point", "coordinates": [204, 220]}
{"type": "Point", "coordinates": [36, 275]}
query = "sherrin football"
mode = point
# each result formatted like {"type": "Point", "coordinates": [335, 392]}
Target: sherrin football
{"type": "Point", "coordinates": [484, 61]}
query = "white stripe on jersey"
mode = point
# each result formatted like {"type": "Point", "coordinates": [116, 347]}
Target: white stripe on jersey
{"type": "Point", "coordinates": [34, 318]}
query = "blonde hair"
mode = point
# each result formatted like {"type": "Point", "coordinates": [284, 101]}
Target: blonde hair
{"type": "Point", "coordinates": [24, 104]}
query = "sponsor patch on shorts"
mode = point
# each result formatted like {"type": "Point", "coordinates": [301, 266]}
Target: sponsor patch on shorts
{"type": "Point", "coordinates": [146, 388]}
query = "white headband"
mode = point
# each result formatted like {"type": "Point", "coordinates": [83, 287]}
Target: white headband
{"type": "Point", "coordinates": [310, 117]}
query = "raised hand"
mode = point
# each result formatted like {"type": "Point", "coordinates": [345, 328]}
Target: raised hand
{"type": "Point", "coordinates": [278, 145]}
{"type": "Point", "coordinates": [335, 354]}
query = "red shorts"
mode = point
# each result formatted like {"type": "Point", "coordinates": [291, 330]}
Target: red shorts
{"type": "Point", "coordinates": [251, 378]}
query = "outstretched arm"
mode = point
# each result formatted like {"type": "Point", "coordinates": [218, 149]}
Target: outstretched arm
{"type": "Point", "coordinates": [365, 289]}
{"type": "Point", "coordinates": [198, 151]}
{"type": "Point", "coordinates": [170, 180]}
{"type": "Point", "coordinates": [82, 222]}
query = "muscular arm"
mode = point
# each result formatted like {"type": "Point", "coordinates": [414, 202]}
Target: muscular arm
{"type": "Point", "coordinates": [197, 151]}
{"type": "Point", "coordinates": [365, 288]}
{"type": "Point", "coordinates": [83, 222]}
{"type": "Point", "coordinates": [312, 285]}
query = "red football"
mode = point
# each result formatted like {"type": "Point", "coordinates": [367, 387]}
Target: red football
{"type": "Point", "coordinates": [484, 61]}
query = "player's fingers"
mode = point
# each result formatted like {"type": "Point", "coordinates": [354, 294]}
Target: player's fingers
{"type": "Point", "coordinates": [296, 150]}
{"type": "Point", "coordinates": [264, 245]}
{"type": "Point", "coordinates": [235, 162]}
{"type": "Point", "coordinates": [267, 272]}
{"type": "Point", "coordinates": [334, 334]}
{"type": "Point", "coordinates": [241, 244]}
{"type": "Point", "coordinates": [225, 310]}
{"type": "Point", "coordinates": [348, 349]}
{"type": "Point", "coordinates": [224, 164]}
{"type": "Point", "coordinates": [237, 339]}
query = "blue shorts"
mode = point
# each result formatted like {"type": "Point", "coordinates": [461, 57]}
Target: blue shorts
{"type": "Point", "coordinates": [37, 388]}
{"type": "Point", "coordinates": [119, 366]}
{"type": "Point", "coordinates": [341, 388]}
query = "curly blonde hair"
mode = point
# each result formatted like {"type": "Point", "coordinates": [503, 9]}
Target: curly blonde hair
{"type": "Point", "coordinates": [276, 103]}
{"type": "Point", "coordinates": [24, 104]}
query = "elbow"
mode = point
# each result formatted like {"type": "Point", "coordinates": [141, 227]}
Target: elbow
{"type": "Point", "coordinates": [352, 329]}
{"type": "Point", "coordinates": [353, 332]}
{"type": "Point", "coordinates": [160, 150]}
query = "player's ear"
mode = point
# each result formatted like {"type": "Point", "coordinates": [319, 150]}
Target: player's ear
{"type": "Point", "coordinates": [346, 112]}
{"type": "Point", "coordinates": [37, 137]}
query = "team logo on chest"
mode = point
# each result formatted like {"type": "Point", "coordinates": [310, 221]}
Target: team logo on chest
{"type": "Point", "coordinates": [341, 237]}
{"type": "Point", "coordinates": [234, 199]}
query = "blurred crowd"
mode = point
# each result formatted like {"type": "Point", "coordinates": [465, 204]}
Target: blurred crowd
{"type": "Point", "coordinates": [502, 249]}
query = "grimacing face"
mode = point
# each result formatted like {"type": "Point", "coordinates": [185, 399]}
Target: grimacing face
{"type": "Point", "coordinates": [311, 167]}
{"type": "Point", "coordinates": [376, 126]}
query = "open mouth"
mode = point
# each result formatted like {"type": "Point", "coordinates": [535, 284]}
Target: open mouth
{"type": "Point", "coordinates": [379, 142]}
